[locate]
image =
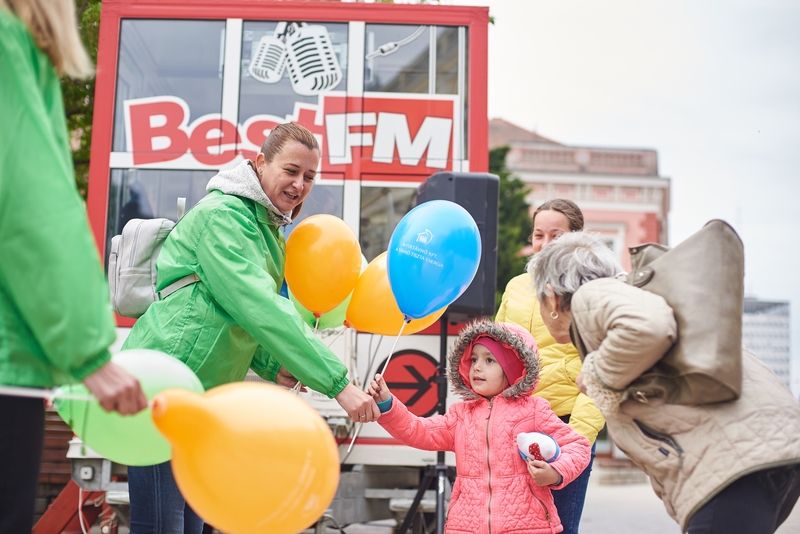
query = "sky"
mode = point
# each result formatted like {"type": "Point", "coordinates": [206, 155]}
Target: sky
{"type": "Point", "coordinates": [712, 85]}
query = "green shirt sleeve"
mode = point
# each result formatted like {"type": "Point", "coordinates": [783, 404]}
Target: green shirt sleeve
{"type": "Point", "coordinates": [231, 264]}
{"type": "Point", "coordinates": [265, 365]}
{"type": "Point", "coordinates": [49, 269]}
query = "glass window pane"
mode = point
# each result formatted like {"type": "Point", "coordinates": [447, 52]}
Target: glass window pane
{"type": "Point", "coordinates": [145, 194]}
{"type": "Point", "coordinates": [287, 63]}
{"type": "Point", "coordinates": [447, 60]}
{"type": "Point", "coordinates": [181, 58]}
{"type": "Point", "coordinates": [322, 199]}
{"type": "Point", "coordinates": [381, 210]}
{"type": "Point", "coordinates": [397, 58]}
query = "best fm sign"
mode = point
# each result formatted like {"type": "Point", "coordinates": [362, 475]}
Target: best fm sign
{"type": "Point", "coordinates": [378, 134]}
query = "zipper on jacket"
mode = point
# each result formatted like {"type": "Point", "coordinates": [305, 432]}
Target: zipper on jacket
{"type": "Point", "coordinates": [489, 464]}
{"type": "Point", "coordinates": [662, 437]}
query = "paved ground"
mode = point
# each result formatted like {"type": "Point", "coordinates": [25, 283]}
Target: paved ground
{"type": "Point", "coordinates": [611, 509]}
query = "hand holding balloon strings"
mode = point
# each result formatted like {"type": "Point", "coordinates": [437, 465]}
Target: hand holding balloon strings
{"type": "Point", "coordinates": [383, 370]}
{"type": "Point", "coordinates": [433, 256]}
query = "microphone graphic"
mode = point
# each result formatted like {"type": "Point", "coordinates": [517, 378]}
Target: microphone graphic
{"type": "Point", "coordinates": [269, 58]}
{"type": "Point", "coordinates": [312, 62]}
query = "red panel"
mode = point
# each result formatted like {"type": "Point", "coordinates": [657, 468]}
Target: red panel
{"type": "Point", "coordinates": [103, 122]}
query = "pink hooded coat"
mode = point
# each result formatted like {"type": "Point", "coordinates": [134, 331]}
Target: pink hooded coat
{"type": "Point", "coordinates": [493, 491]}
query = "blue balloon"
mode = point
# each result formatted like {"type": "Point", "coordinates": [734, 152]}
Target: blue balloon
{"type": "Point", "coordinates": [433, 256]}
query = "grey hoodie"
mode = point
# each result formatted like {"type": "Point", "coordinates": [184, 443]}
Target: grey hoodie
{"type": "Point", "coordinates": [242, 181]}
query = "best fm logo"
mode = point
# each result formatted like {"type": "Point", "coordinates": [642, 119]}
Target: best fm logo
{"type": "Point", "coordinates": [382, 133]}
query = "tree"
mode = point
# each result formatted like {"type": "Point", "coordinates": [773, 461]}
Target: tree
{"type": "Point", "coordinates": [79, 95]}
{"type": "Point", "coordinates": [514, 229]}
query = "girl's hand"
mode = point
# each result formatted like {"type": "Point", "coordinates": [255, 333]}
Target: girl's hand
{"type": "Point", "coordinates": [378, 389]}
{"type": "Point", "coordinates": [543, 473]}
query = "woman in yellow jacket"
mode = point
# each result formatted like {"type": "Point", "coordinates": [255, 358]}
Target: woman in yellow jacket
{"type": "Point", "coordinates": [560, 363]}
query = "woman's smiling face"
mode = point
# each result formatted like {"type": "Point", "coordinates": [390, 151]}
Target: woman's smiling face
{"type": "Point", "coordinates": [288, 178]}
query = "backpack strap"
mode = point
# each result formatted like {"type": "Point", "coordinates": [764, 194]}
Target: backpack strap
{"type": "Point", "coordinates": [186, 280]}
{"type": "Point", "coordinates": [178, 284]}
{"type": "Point", "coordinates": [181, 208]}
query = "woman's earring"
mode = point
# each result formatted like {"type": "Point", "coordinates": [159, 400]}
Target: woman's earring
{"type": "Point", "coordinates": [554, 315]}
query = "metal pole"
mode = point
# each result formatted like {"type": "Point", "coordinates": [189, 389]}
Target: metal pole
{"type": "Point", "coordinates": [441, 384]}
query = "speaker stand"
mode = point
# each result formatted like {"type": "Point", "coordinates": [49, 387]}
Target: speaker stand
{"type": "Point", "coordinates": [435, 476]}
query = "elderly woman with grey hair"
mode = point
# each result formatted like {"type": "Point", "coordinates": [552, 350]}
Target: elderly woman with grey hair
{"type": "Point", "coordinates": [718, 468]}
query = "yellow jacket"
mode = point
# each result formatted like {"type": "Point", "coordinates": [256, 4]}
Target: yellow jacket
{"type": "Point", "coordinates": [559, 362]}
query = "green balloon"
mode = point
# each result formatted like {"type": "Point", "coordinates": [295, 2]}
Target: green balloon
{"type": "Point", "coordinates": [132, 439]}
{"type": "Point", "coordinates": [332, 319]}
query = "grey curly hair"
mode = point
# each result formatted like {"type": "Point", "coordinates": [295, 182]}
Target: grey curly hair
{"type": "Point", "coordinates": [569, 262]}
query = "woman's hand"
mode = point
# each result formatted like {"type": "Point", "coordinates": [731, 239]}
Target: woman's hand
{"type": "Point", "coordinates": [286, 379]}
{"type": "Point", "coordinates": [378, 389]}
{"type": "Point", "coordinates": [543, 473]}
{"type": "Point", "coordinates": [116, 390]}
{"type": "Point", "coordinates": [358, 405]}
{"type": "Point", "coordinates": [580, 384]}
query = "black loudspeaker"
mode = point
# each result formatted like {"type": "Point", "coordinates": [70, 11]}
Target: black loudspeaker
{"type": "Point", "coordinates": [477, 193]}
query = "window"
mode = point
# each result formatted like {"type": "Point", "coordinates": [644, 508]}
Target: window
{"type": "Point", "coordinates": [147, 193]}
{"type": "Point", "coordinates": [381, 210]}
{"type": "Point", "coordinates": [397, 58]}
{"type": "Point", "coordinates": [294, 63]}
{"type": "Point", "coordinates": [180, 58]}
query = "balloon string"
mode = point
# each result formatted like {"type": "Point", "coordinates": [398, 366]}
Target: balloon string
{"type": "Point", "coordinates": [299, 385]}
{"type": "Point", "coordinates": [385, 365]}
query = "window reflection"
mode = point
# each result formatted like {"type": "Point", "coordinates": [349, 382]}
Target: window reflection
{"type": "Point", "coordinates": [276, 83]}
{"type": "Point", "coordinates": [381, 210]}
{"type": "Point", "coordinates": [447, 60]}
{"type": "Point", "coordinates": [397, 58]}
{"type": "Point", "coordinates": [180, 58]}
{"type": "Point", "coordinates": [145, 194]}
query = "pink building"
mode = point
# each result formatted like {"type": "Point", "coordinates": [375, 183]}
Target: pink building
{"type": "Point", "coordinates": [620, 191]}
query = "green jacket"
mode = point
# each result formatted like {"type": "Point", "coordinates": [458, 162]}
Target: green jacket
{"type": "Point", "coordinates": [234, 318]}
{"type": "Point", "coordinates": [55, 319]}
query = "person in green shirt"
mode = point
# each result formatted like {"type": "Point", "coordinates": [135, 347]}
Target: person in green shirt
{"type": "Point", "coordinates": [56, 324]}
{"type": "Point", "coordinates": [234, 319]}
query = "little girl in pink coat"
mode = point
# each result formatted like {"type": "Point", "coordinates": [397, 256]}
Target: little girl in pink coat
{"type": "Point", "coordinates": [494, 367]}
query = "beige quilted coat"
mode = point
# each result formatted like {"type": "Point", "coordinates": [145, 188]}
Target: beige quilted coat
{"type": "Point", "coordinates": [690, 453]}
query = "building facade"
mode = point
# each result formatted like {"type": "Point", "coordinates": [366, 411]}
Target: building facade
{"type": "Point", "coordinates": [620, 191]}
{"type": "Point", "coordinates": [766, 333]}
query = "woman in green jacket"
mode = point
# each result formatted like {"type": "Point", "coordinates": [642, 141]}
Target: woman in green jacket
{"type": "Point", "coordinates": [234, 318]}
{"type": "Point", "coordinates": [55, 319]}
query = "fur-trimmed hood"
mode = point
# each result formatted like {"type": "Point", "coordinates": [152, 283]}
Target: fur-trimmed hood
{"type": "Point", "coordinates": [511, 335]}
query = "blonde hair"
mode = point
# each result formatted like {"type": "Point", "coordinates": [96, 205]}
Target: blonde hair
{"type": "Point", "coordinates": [54, 28]}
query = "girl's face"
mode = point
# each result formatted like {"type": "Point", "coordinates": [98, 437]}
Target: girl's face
{"type": "Point", "coordinates": [547, 226]}
{"type": "Point", "coordinates": [288, 178]}
{"type": "Point", "coordinates": [485, 374]}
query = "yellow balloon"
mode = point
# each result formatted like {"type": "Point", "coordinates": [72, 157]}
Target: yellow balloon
{"type": "Point", "coordinates": [323, 261]}
{"type": "Point", "coordinates": [249, 457]}
{"type": "Point", "coordinates": [373, 308]}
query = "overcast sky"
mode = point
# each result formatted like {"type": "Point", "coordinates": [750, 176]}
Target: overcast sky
{"type": "Point", "coordinates": [712, 85]}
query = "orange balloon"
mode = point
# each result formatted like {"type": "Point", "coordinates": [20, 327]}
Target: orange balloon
{"type": "Point", "coordinates": [323, 261]}
{"type": "Point", "coordinates": [373, 307]}
{"type": "Point", "coordinates": [249, 457]}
